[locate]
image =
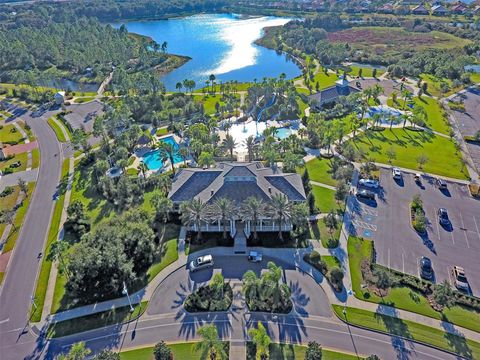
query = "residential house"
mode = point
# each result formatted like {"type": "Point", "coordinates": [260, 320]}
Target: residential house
{"type": "Point", "coordinates": [420, 10]}
{"type": "Point", "coordinates": [59, 97]}
{"type": "Point", "coordinates": [331, 94]}
{"type": "Point", "coordinates": [459, 8]}
{"type": "Point", "coordinates": [439, 10]}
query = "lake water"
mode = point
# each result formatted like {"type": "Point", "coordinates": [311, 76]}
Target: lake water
{"type": "Point", "coordinates": [219, 44]}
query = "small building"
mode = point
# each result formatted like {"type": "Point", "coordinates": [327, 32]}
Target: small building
{"type": "Point", "coordinates": [59, 98]}
{"type": "Point", "coordinates": [386, 8]}
{"type": "Point", "coordinates": [439, 10]}
{"type": "Point", "coordinates": [236, 182]}
{"type": "Point", "coordinates": [459, 8]}
{"type": "Point", "coordinates": [476, 10]}
{"type": "Point", "coordinates": [331, 94]}
{"type": "Point", "coordinates": [420, 10]}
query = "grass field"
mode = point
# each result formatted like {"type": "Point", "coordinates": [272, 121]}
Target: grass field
{"type": "Point", "coordinates": [179, 350]}
{"type": "Point", "coordinates": [410, 330]}
{"type": "Point", "coordinates": [443, 158]}
{"type": "Point", "coordinates": [22, 157]}
{"type": "Point", "coordinates": [319, 231]}
{"type": "Point", "coordinates": [434, 85]}
{"type": "Point", "coordinates": [403, 297]}
{"type": "Point", "coordinates": [367, 72]}
{"type": "Point", "coordinates": [57, 126]}
{"type": "Point", "coordinates": [95, 321]}
{"type": "Point", "coordinates": [35, 158]}
{"type": "Point", "coordinates": [324, 199]}
{"type": "Point", "coordinates": [7, 203]}
{"type": "Point", "coordinates": [324, 80]}
{"type": "Point", "coordinates": [81, 100]}
{"type": "Point", "coordinates": [10, 133]}
{"type": "Point", "coordinates": [209, 102]}
{"type": "Point", "coordinates": [42, 280]}
{"type": "Point", "coordinates": [319, 171]}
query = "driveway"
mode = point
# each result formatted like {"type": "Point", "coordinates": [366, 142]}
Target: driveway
{"type": "Point", "coordinates": [399, 246]}
{"type": "Point", "coordinates": [308, 297]}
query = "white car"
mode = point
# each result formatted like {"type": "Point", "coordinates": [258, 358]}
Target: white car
{"type": "Point", "coordinates": [255, 256]}
{"type": "Point", "coordinates": [460, 279]}
{"type": "Point", "coordinates": [370, 183]}
{"type": "Point", "coordinates": [202, 262]}
{"type": "Point", "coordinates": [397, 174]}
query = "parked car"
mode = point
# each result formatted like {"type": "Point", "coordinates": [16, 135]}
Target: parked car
{"type": "Point", "coordinates": [418, 178]}
{"type": "Point", "coordinates": [443, 217]}
{"type": "Point", "coordinates": [441, 184]}
{"type": "Point", "coordinates": [460, 279]}
{"type": "Point", "coordinates": [370, 183]}
{"type": "Point", "coordinates": [202, 262]}
{"type": "Point", "coordinates": [396, 173]}
{"type": "Point", "coordinates": [365, 194]}
{"type": "Point", "coordinates": [426, 269]}
{"type": "Point", "coordinates": [255, 256]}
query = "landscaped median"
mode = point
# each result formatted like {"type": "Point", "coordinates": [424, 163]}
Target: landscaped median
{"type": "Point", "coordinates": [57, 127]}
{"type": "Point", "coordinates": [409, 330]}
{"type": "Point", "coordinates": [42, 280]}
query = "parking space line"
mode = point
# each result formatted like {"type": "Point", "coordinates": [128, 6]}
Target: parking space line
{"type": "Point", "coordinates": [364, 225]}
{"type": "Point", "coordinates": [453, 239]}
{"type": "Point", "coordinates": [389, 259]}
{"type": "Point", "coordinates": [476, 226]}
{"type": "Point", "coordinates": [464, 230]}
{"type": "Point", "coordinates": [403, 262]}
{"type": "Point", "coordinates": [438, 227]}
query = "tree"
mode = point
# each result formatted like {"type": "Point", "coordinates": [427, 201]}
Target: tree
{"type": "Point", "coordinates": [314, 351]}
{"type": "Point", "coordinates": [229, 144]}
{"type": "Point", "coordinates": [261, 340]}
{"type": "Point", "coordinates": [23, 187]}
{"type": "Point", "coordinates": [226, 209]}
{"type": "Point", "coordinates": [212, 81]}
{"type": "Point", "coordinates": [443, 294]}
{"type": "Point", "coordinates": [372, 357]}
{"type": "Point", "coordinates": [422, 159]}
{"type": "Point", "coordinates": [331, 221]}
{"type": "Point", "coordinates": [179, 86]}
{"type": "Point", "coordinates": [206, 159]}
{"type": "Point", "coordinates": [168, 151]}
{"type": "Point", "coordinates": [251, 210]}
{"type": "Point", "coordinates": [107, 355]}
{"type": "Point", "coordinates": [383, 279]}
{"type": "Point", "coordinates": [162, 351]}
{"type": "Point", "coordinates": [280, 209]}
{"type": "Point", "coordinates": [78, 351]}
{"type": "Point", "coordinates": [341, 192]}
{"type": "Point", "coordinates": [391, 154]}
{"type": "Point", "coordinates": [374, 72]}
{"type": "Point", "coordinates": [250, 144]}
{"type": "Point", "coordinates": [360, 72]}
{"type": "Point", "coordinates": [291, 161]}
{"type": "Point", "coordinates": [336, 277]}
{"type": "Point", "coordinates": [271, 285]}
{"type": "Point", "coordinates": [194, 212]}
{"type": "Point", "coordinates": [162, 205]}
{"type": "Point", "coordinates": [210, 347]}
{"type": "Point", "coordinates": [300, 214]}
{"type": "Point", "coordinates": [57, 251]}
{"type": "Point", "coordinates": [8, 217]}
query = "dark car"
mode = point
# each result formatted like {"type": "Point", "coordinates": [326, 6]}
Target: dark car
{"type": "Point", "coordinates": [441, 184]}
{"type": "Point", "coordinates": [443, 217]}
{"type": "Point", "coordinates": [366, 194]}
{"type": "Point", "coordinates": [426, 270]}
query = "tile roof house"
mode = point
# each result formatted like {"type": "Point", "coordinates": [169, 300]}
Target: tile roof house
{"type": "Point", "coordinates": [439, 10]}
{"type": "Point", "coordinates": [459, 8]}
{"type": "Point", "coordinates": [331, 94]}
{"type": "Point", "coordinates": [237, 182]}
{"type": "Point", "coordinates": [420, 10]}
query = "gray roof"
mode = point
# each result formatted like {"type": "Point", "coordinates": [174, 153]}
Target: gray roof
{"type": "Point", "coordinates": [236, 181]}
{"type": "Point", "coordinates": [332, 93]}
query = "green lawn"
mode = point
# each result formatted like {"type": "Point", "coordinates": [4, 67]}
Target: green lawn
{"type": "Point", "coordinates": [167, 256]}
{"type": "Point", "coordinates": [162, 131]}
{"type": "Point", "coordinates": [410, 330]}
{"type": "Point", "coordinates": [324, 199]}
{"type": "Point", "coordinates": [180, 351]}
{"type": "Point", "coordinates": [434, 85]}
{"type": "Point", "coordinates": [209, 102]}
{"type": "Point", "coordinates": [35, 158]}
{"type": "Point", "coordinates": [436, 117]}
{"type": "Point", "coordinates": [324, 80]}
{"type": "Point", "coordinates": [475, 77]}
{"type": "Point", "coordinates": [10, 133]}
{"type": "Point", "coordinates": [23, 158]}
{"type": "Point", "coordinates": [297, 352]}
{"type": "Point", "coordinates": [443, 158]}
{"type": "Point", "coordinates": [366, 71]}
{"type": "Point", "coordinates": [7, 203]}
{"type": "Point", "coordinates": [319, 231]}
{"type": "Point", "coordinates": [319, 171]}
{"type": "Point", "coordinates": [57, 126]}
{"type": "Point", "coordinates": [403, 297]}
{"type": "Point", "coordinates": [95, 321]}
{"type": "Point", "coordinates": [42, 280]}
{"type": "Point", "coordinates": [81, 100]}
{"type": "Point", "coordinates": [19, 217]}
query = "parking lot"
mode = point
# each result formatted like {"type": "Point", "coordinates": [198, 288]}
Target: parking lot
{"type": "Point", "coordinates": [399, 246]}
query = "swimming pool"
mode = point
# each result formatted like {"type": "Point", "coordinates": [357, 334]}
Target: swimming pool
{"type": "Point", "coordinates": [153, 158]}
{"type": "Point", "coordinates": [283, 133]}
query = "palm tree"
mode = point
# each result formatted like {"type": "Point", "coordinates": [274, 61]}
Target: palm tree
{"type": "Point", "coordinates": [261, 340]}
{"type": "Point", "coordinates": [280, 209]}
{"type": "Point", "coordinates": [194, 212]}
{"type": "Point", "coordinates": [183, 152]}
{"type": "Point", "coordinates": [252, 208]}
{"type": "Point", "coordinates": [162, 206]}
{"type": "Point", "coordinates": [168, 151]}
{"type": "Point", "coordinates": [210, 347]}
{"type": "Point", "coordinates": [229, 144]}
{"type": "Point", "coordinates": [251, 286]}
{"type": "Point", "coordinates": [250, 144]}
{"type": "Point", "coordinates": [179, 86]}
{"type": "Point", "coordinates": [212, 80]}
{"type": "Point", "coordinates": [225, 208]}
{"type": "Point", "coordinates": [406, 95]}
{"type": "Point", "coordinates": [143, 169]}
{"type": "Point", "coordinates": [273, 288]}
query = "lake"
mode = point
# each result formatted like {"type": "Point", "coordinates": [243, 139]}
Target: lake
{"type": "Point", "coordinates": [219, 44]}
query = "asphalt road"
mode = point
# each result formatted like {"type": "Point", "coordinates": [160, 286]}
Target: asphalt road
{"type": "Point", "coordinates": [19, 284]}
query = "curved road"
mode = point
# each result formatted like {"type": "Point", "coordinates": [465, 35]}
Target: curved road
{"type": "Point", "coordinates": [19, 283]}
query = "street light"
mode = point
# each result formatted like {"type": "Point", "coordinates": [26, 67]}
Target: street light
{"type": "Point", "coordinates": [32, 298]}
{"type": "Point", "coordinates": [125, 292]}
{"type": "Point", "coordinates": [349, 293]}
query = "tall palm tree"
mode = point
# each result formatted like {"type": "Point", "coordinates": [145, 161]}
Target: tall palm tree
{"type": "Point", "coordinates": [143, 169]}
{"type": "Point", "coordinates": [225, 208]}
{"type": "Point", "coordinates": [194, 212]}
{"type": "Point", "coordinates": [179, 86]}
{"type": "Point", "coordinates": [229, 144]}
{"type": "Point", "coordinates": [273, 287]}
{"type": "Point", "coordinates": [280, 208]}
{"type": "Point", "coordinates": [250, 144]}
{"type": "Point", "coordinates": [251, 285]}
{"type": "Point", "coordinates": [162, 206]}
{"type": "Point", "coordinates": [183, 152]}
{"type": "Point", "coordinates": [210, 347]}
{"type": "Point", "coordinates": [261, 340]}
{"type": "Point", "coordinates": [168, 151]}
{"type": "Point", "coordinates": [252, 208]}
{"type": "Point", "coordinates": [212, 81]}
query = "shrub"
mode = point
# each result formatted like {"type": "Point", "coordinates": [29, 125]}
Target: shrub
{"type": "Point", "coordinates": [162, 351]}
{"type": "Point", "coordinates": [7, 191]}
{"type": "Point", "coordinates": [336, 278]}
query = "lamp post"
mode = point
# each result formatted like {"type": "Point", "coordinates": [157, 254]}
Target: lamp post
{"type": "Point", "coordinates": [32, 298]}
{"type": "Point", "coordinates": [349, 293]}
{"type": "Point", "coordinates": [125, 292]}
